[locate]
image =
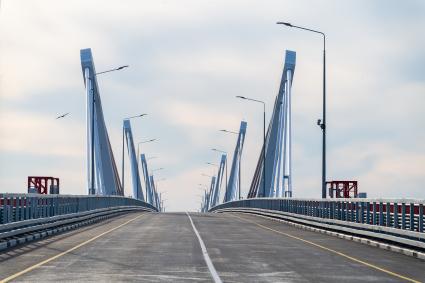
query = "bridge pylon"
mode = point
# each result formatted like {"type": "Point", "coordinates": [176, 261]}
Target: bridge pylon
{"type": "Point", "coordinates": [102, 173]}
{"type": "Point", "coordinates": [278, 145]}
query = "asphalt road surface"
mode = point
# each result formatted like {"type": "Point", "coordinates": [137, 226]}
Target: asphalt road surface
{"type": "Point", "coordinates": [153, 247]}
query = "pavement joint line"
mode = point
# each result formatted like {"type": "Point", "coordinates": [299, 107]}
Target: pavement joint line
{"type": "Point", "coordinates": [207, 258]}
{"type": "Point", "coordinates": [20, 273]}
{"type": "Point", "coordinates": [392, 248]}
{"type": "Point", "coordinates": [332, 251]}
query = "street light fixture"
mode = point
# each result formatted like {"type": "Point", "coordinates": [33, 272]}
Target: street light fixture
{"type": "Point", "coordinates": [321, 123]}
{"type": "Point", "coordinates": [123, 135]}
{"type": "Point", "coordinates": [227, 180]}
{"type": "Point", "coordinates": [111, 70]}
{"type": "Point", "coordinates": [231, 132]}
{"type": "Point", "coordinates": [264, 138]}
{"type": "Point", "coordinates": [92, 189]}
{"type": "Point", "coordinates": [209, 163]}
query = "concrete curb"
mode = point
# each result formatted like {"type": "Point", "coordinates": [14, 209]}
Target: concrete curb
{"type": "Point", "coordinates": [389, 247]}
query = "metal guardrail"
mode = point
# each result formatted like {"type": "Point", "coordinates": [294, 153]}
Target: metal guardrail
{"type": "Point", "coordinates": [401, 214]}
{"type": "Point", "coordinates": [20, 207]}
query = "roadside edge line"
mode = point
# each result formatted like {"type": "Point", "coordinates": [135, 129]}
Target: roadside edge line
{"type": "Point", "coordinates": [20, 273]}
{"type": "Point", "coordinates": [330, 250]}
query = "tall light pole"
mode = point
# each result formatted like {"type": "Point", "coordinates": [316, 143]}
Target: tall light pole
{"type": "Point", "coordinates": [227, 180]}
{"type": "Point", "coordinates": [157, 188]}
{"type": "Point", "coordinates": [264, 139]}
{"type": "Point", "coordinates": [240, 158]}
{"type": "Point", "coordinates": [139, 143]}
{"type": "Point", "coordinates": [138, 157]}
{"type": "Point", "coordinates": [123, 135]}
{"type": "Point", "coordinates": [321, 123]}
{"type": "Point", "coordinates": [92, 190]}
{"type": "Point", "coordinates": [216, 165]}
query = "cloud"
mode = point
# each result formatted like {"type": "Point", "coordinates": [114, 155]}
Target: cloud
{"type": "Point", "coordinates": [188, 60]}
{"type": "Point", "coordinates": [36, 134]}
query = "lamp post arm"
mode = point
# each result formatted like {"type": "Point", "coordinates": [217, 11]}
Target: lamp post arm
{"type": "Point", "coordinates": [112, 70]}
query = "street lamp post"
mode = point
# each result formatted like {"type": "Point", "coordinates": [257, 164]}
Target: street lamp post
{"type": "Point", "coordinates": [227, 180]}
{"type": "Point", "coordinates": [123, 135]}
{"type": "Point", "coordinates": [157, 189]}
{"type": "Point", "coordinates": [240, 162]}
{"type": "Point", "coordinates": [92, 190]}
{"type": "Point", "coordinates": [139, 143]}
{"type": "Point", "coordinates": [138, 157]}
{"type": "Point", "coordinates": [264, 139]}
{"type": "Point", "coordinates": [212, 164]}
{"type": "Point", "coordinates": [321, 123]}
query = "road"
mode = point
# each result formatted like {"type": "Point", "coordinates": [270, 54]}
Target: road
{"type": "Point", "coordinates": [152, 247]}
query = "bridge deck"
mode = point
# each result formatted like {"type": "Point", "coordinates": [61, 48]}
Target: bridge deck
{"type": "Point", "coordinates": [165, 248]}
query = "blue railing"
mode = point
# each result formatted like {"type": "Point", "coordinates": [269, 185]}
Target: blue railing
{"type": "Point", "coordinates": [19, 207]}
{"type": "Point", "coordinates": [404, 214]}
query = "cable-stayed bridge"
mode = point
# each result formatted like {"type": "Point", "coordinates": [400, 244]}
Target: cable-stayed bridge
{"type": "Point", "coordinates": [265, 236]}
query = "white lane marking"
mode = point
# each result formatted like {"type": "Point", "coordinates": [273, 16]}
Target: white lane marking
{"type": "Point", "coordinates": [207, 258]}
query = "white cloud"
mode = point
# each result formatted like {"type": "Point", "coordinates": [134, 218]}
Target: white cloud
{"type": "Point", "coordinates": [188, 59]}
{"type": "Point", "coordinates": [41, 135]}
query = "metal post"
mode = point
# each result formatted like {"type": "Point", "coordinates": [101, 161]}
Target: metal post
{"type": "Point", "coordinates": [240, 176]}
{"type": "Point", "coordinates": [92, 190]}
{"type": "Point", "coordinates": [323, 126]}
{"type": "Point", "coordinates": [264, 139]}
{"type": "Point", "coordinates": [322, 123]}
{"type": "Point", "coordinates": [264, 151]}
{"type": "Point", "coordinates": [122, 160]}
{"type": "Point", "coordinates": [227, 182]}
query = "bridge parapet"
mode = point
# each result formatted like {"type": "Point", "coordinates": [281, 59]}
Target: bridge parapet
{"type": "Point", "coordinates": [20, 207]}
{"type": "Point", "coordinates": [395, 220]}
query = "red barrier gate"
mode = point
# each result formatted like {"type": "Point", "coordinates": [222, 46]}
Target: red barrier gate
{"type": "Point", "coordinates": [342, 189]}
{"type": "Point", "coordinates": [41, 185]}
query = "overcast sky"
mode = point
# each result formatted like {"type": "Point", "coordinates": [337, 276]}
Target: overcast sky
{"type": "Point", "coordinates": [188, 60]}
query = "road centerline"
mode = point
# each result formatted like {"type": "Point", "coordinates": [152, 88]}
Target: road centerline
{"type": "Point", "coordinates": [207, 258]}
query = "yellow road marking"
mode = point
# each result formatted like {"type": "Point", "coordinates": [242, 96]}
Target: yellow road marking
{"type": "Point", "coordinates": [65, 252]}
{"type": "Point", "coordinates": [332, 251]}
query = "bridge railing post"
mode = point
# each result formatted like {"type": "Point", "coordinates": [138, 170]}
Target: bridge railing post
{"type": "Point", "coordinates": [395, 207]}
{"type": "Point", "coordinates": [412, 217]}
{"type": "Point", "coordinates": [388, 214]}
{"type": "Point", "coordinates": [381, 214]}
{"type": "Point", "coordinates": [403, 216]}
